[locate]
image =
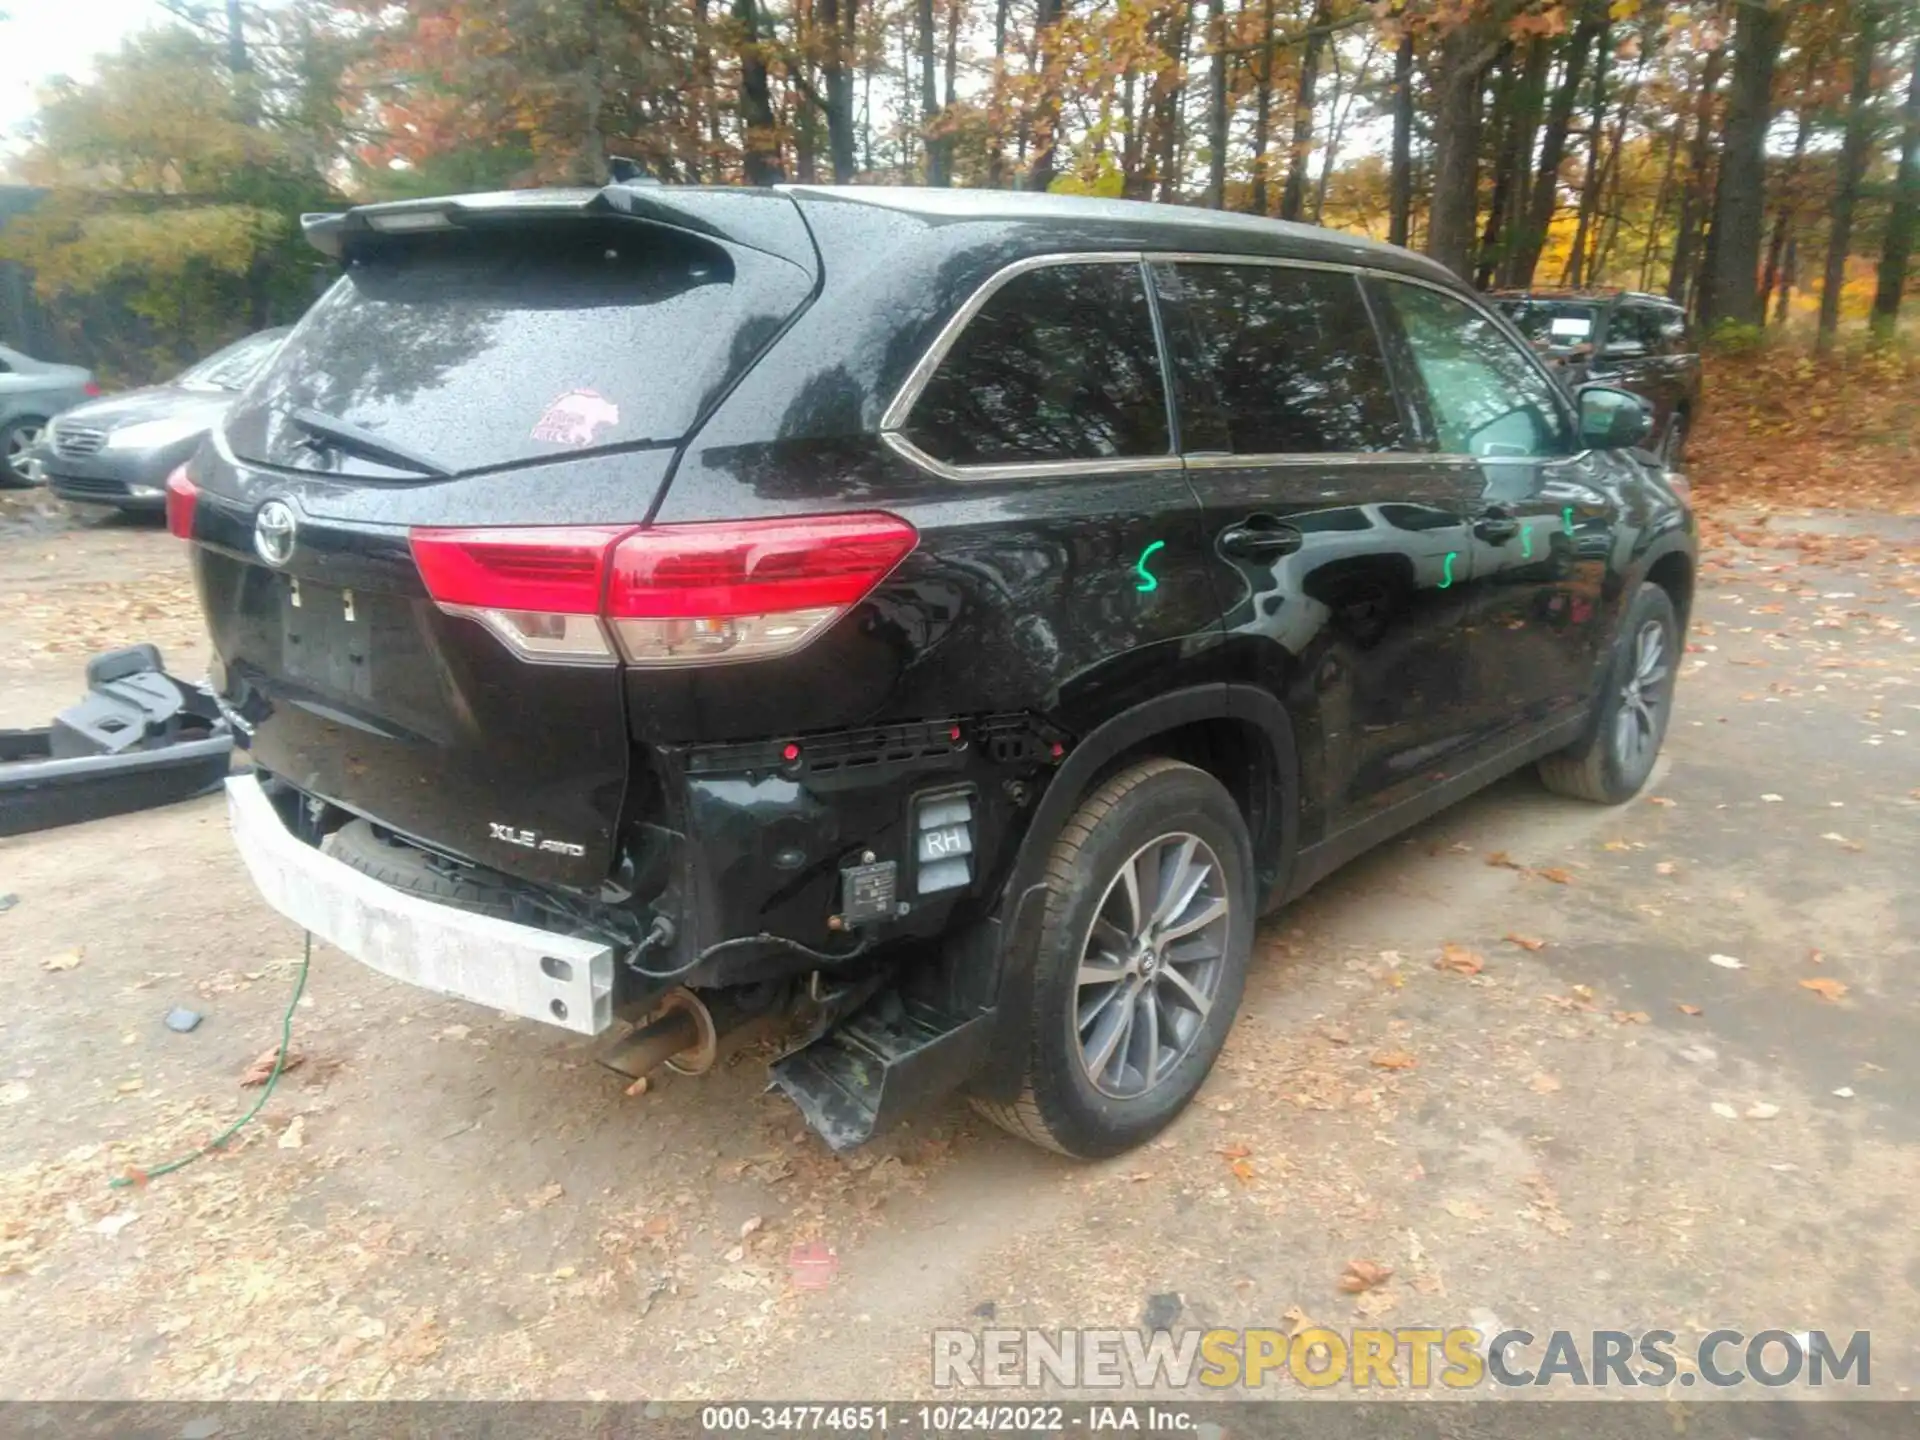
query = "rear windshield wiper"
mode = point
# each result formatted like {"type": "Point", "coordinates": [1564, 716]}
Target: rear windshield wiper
{"type": "Point", "coordinates": [345, 435]}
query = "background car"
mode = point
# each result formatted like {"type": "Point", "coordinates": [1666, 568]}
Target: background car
{"type": "Point", "coordinates": [1627, 338]}
{"type": "Point", "coordinates": [31, 393]}
{"type": "Point", "coordinates": [120, 450]}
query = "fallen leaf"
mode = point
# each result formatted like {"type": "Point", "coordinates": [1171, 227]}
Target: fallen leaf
{"type": "Point", "coordinates": [1556, 875]}
{"type": "Point", "coordinates": [1631, 1017]}
{"type": "Point", "coordinates": [261, 1069]}
{"type": "Point", "coordinates": [1336, 1037]}
{"type": "Point", "coordinates": [1771, 798]}
{"type": "Point", "coordinates": [1726, 962]}
{"type": "Point", "coordinates": [1364, 1275]}
{"type": "Point", "coordinates": [1504, 861]}
{"type": "Point", "coordinates": [1616, 845]}
{"type": "Point", "coordinates": [1395, 1060]}
{"type": "Point", "coordinates": [750, 1225]}
{"type": "Point", "coordinates": [115, 1223]}
{"type": "Point", "coordinates": [1686, 1009]}
{"type": "Point", "coordinates": [1235, 1152]}
{"type": "Point", "coordinates": [1376, 1302]}
{"type": "Point", "coordinates": [1297, 1320]}
{"type": "Point", "coordinates": [1460, 960]}
{"type": "Point", "coordinates": [1761, 1110]}
{"type": "Point", "coordinates": [1242, 1171]}
{"type": "Point", "coordinates": [1467, 1209]}
{"type": "Point", "coordinates": [1725, 1111]}
{"type": "Point", "coordinates": [736, 1254]}
{"type": "Point", "coordinates": [1544, 1084]}
{"type": "Point", "coordinates": [1825, 986]}
{"type": "Point", "coordinates": [65, 960]}
{"type": "Point", "coordinates": [295, 1135]}
{"type": "Point", "coordinates": [1845, 1092]}
{"type": "Point", "coordinates": [1583, 992]}
{"type": "Point", "coordinates": [1525, 942]}
{"type": "Point", "coordinates": [1665, 867]}
{"type": "Point", "coordinates": [1659, 800]}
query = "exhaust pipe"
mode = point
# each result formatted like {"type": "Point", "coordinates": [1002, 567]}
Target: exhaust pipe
{"type": "Point", "coordinates": [680, 1033]}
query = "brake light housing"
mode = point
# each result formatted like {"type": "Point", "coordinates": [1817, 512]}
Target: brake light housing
{"type": "Point", "coordinates": [183, 498]}
{"type": "Point", "coordinates": [663, 596]}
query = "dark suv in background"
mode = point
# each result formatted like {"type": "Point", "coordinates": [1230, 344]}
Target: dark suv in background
{"type": "Point", "coordinates": [1637, 341]}
{"type": "Point", "coordinates": [958, 615]}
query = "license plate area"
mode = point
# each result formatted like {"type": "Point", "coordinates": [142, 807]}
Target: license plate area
{"type": "Point", "coordinates": [324, 637]}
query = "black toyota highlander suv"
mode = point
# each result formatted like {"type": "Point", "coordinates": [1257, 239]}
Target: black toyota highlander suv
{"type": "Point", "coordinates": [954, 617]}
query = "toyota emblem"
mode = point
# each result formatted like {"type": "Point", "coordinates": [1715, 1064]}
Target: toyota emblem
{"type": "Point", "coordinates": [273, 531]}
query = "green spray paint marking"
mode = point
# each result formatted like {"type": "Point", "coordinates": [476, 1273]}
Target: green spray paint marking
{"type": "Point", "coordinates": [1526, 542]}
{"type": "Point", "coordinates": [1446, 579]}
{"type": "Point", "coordinates": [1566, 519]}
{"type": "Point", "coordinates": [1147, 580]}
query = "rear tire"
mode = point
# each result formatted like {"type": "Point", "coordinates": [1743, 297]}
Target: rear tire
{"type": "Point", "coordinates": [1630, 718]}
{"type": "Point", "coordinates": [1110, 1062]}
{"type": "Point", "coordinates": [407, 867]}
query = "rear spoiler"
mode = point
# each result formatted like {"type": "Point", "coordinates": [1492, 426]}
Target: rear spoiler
{"type": "Point", "coordinates": [762, 220]}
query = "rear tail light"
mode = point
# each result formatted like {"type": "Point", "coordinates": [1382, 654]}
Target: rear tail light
{"type": "Point", "coordinates": [91, 390]}
{"type": "Point", "coordinates": [182, 496]}
{"type": "Point", "coordinates": [670, 595]}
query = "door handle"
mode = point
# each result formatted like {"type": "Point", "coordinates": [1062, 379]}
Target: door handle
{"type": "Point", "coordinates": [1260, 538]}
{"type": "Point", "coordinates": [1497, 525]}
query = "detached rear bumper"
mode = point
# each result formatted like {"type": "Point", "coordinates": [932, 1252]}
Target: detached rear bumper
{"type": "Point", "coordinates": [522, 970]}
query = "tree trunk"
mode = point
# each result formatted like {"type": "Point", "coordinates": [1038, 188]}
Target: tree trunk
{"type": "Point", "coordinates": [1891, 283]}
{"type": "Point", "coordinates": [1465, 52]}
{"type": "Point", "coordinates": [1693, 199]}
{"type": "Point", "coordinates": [996, 147]}
{"type": "Point", "coordinates": [1342, 107]}
{"type": "Point", "coordinates": [938, 147]}
{"type": "Point", "coordinates": [1517, 116]}
{"type": "Point", "coordinates": [1789, 267]}
{"type": "Point", "coordinates": [1576, 272]}
{"type": "Point", "coordinates": [1853, 165]}
{"type": "Point", "coordinates": [1661, 198]}
{"type": "Point", "coordinates": [1040, 169]}
{"type": "Point", "coordinates": [1217, 105]}
{"type": "Point", "coordinates": [1553, 150]}
{"type": "Point", "coordinates": [1400, 180]}
{"type": "Point", "coordinates": [1789, 181]}
{"type": "Point", "coordinates": [1167, 92]}
{"type": "Point", "coordinates": [1730, 290]}
{"type": "Point", "coordinates": [1293, 198]}
{"type": "Point", "coordinates": [759, 146]}
{"type": "Point", "coordinates": [1263, 110]}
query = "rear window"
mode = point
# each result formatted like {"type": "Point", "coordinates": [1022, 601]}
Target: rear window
{"type": "Point", "coordinates": [1556, 325]}
{"type": "Point", "coordinates": [482, 348]}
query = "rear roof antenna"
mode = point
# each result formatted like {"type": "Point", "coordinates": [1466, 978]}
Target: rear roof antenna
{"type": "Point", "coordinates": [626, 171]}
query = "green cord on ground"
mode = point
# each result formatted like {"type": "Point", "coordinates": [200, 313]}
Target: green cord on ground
{"type": "Point", "coordinates": [141, 1177]}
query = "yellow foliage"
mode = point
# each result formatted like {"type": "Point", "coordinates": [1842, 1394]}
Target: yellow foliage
{"type": "Point", "coordinates": [72, 251]}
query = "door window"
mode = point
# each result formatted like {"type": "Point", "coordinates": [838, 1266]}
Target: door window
{"type": "Point", "coordinates": [1486, 395]}
{"type": "Point", "coordinates": [1060, 364]}
{"type": "Point", "coordinates": [1278, 361]}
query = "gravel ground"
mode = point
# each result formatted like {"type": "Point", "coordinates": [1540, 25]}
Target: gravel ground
{"type": "Point", "coordinates": [1600, 1127]}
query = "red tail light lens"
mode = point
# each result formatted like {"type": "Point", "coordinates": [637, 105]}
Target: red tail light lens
{"type": "Point", "coordinates": [673, 594]}
{"type": "Point", "coordinates": [92, 389]}
{"type": "Point", "coordinates": [757, 568]}
{"type": "Point", "coordinates": [559, 570]}
{"type": "Point", "coordinates": [182, 497]}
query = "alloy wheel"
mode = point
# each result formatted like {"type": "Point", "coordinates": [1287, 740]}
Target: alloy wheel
{"type": "Point", "coordinates": [20, 443]}
{"type": "Point", "coordinates": [1641, 718]}
{"type": "Point", "coordinates": [1151, 966]}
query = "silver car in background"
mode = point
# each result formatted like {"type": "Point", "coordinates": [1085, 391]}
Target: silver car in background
{"type": "Point", "coordinates": [120, 450]}
{"type": "Point", "coordinates": [32, 392]}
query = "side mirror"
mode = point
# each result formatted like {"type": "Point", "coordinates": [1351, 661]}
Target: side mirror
{"type": "Point", "coordinates": [1613, 419]}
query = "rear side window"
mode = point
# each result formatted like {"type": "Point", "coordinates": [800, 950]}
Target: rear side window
{"type": "Point", "coordinates": [501, 345]}
{"type": "Point", "coordinates": [1059, 364]}
{"type": "Point", "coordinates": [1286, 362]}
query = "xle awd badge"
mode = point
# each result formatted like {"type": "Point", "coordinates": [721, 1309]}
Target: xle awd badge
{"type": "Point", "coordinates": [273, 531]}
